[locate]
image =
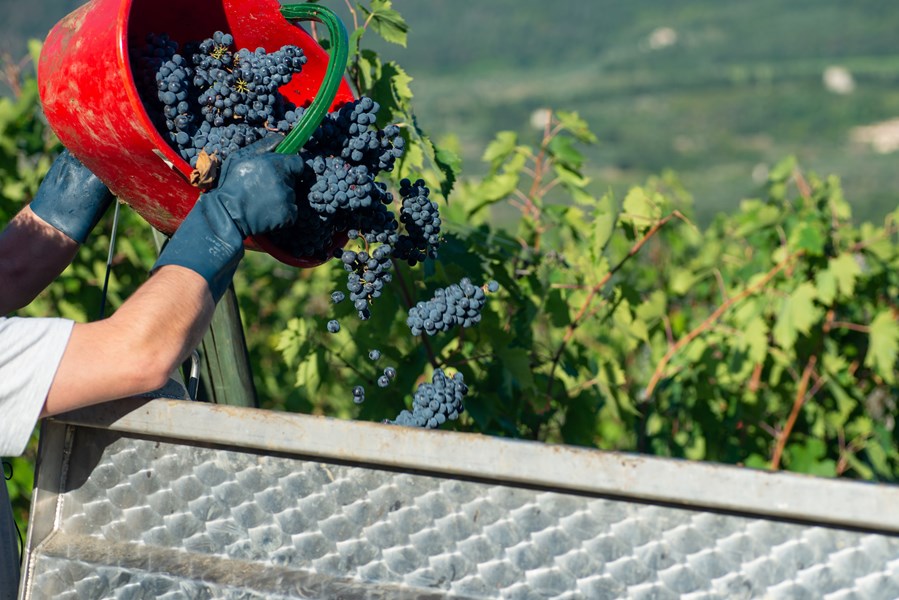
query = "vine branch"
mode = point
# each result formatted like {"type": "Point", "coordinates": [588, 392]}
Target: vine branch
{"type": "Point", "coordinates": [597, 287]}
{"type": "Point", "coordinates": [712, 319]}
{"type": "Point", "coordinates": [798, 403]}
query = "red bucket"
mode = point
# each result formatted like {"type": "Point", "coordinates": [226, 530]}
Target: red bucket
{"type": "Point", "coordinates": [89, 96]}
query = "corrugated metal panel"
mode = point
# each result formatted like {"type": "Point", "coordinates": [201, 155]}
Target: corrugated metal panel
{"type": "Point", "coordinates": [185, 500]}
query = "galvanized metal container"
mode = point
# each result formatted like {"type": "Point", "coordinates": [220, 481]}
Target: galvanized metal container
{"type": "Point", "coordinates": [174, 499]}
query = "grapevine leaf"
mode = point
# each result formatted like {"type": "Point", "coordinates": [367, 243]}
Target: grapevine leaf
{"type": "Point", "coordinates": [450, 164]}
{"type": "Point", "coordinates": [682, 280]}
{"type": "Point", "coordinates": [826, 284]}
{"type": "Point", "coordinates": [412, 160]}
{"type": "Point", "coordinates": [499, 186]}
{"type": "Point", "coordinates": [563, 150]}
{"type": "Point", "coordinates": [570, 178]}
{"type": "Point", "coordinates": [368, 67]}
{"type": "Point", "coordinates": [387, 22]}
{"type": "Point", "coordinates": [808, 237]}
{"type": "Point", "coordinates": [500, 148]}
{"type": "Point", "coordinates": [603, 227]}
{"type": "Point", "coordinates": [883, 345]}
{"type": "Point", "coordinates": [639, 209]}
{"type": "Point", "coordinates": [557, 309]}
{"type": "Point", "coordinates": [810, 458]}
{"type": "Point", "coordinates": [756, 337]}
{"type": "Point", "coordinates": [653, 308]}
{"type": "Point", "coordinates": [577, 126]}
{"type": "Point", "coordinates": [309, 375]}
{"type": "Point", "coordinates": [355, 40]}
{"type": "Point", "coordinates": [846, 270]}
{"type": "Point", "coordinates": [580, 419]}
{"type": "Point", "coordinates": [517, 362]}
{"type": "Point", "coordinates": [797, 315]}
{"type": "Point", "coordinates": [782, 170]}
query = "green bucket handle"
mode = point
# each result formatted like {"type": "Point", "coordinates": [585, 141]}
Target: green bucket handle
{"type": "Point", "coordinates": [339, 53]}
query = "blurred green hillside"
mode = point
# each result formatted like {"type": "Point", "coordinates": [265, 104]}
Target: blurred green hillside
{"type": "Point", "coordinates": [716, 90]}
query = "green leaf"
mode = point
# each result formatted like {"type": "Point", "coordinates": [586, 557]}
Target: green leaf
{"type": "Point", "coordinates": [517, 362]}
{"type": "Point", "coordinates": [355, 40]}
{"type": "Point", "coordinates": [846, 270]}
{"type": "Point", "coordinates": [826, 284]}
{"type": "Point", "coordinates": [797, 315]}
{"type": "Point", "coordinates": [682, 280]}
{"type": "Point", "coordinates": [603, 227]}
{"type": "Point", "coordinates": [558, 309]}
{"type": "Point", "coordinates": [399, 86]}
{"type": "Point", "coordinates": [499, 186]}
{"type": "Point", "coordinates": [385, 21]}
{"type": "Point", "coordinates": [783, 170]}
{"type": "Point", "coordinates": [450, 164]}
{"type": "Point", "coordinates": [500, 148]}
{"type": "Point", "coordinates": [640, 209]}
{"type": "Point", "coordinates": [574, 124]}
{"type": "Point", "coordinates": [810, 237]}
{"type": "Point", "coordinates": [883, 345]}
{"type": "Point", "coordinates": [563, 150]}
{"type": "Point", "coordinates": [571, 179]}
{"type": "Point", "coordinates": [756, 337]}
{"type": "Point", "coordinates": [810, 458]}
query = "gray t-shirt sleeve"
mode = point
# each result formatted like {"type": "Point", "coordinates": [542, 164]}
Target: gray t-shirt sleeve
{"type": "Point", "coordinates": [30, 352]}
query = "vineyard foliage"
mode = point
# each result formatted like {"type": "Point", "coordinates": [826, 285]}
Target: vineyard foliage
{"type": "Point", "coordinates": [768, 339]}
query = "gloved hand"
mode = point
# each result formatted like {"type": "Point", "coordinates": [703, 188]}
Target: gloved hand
{"type": "Point", "coordinates": [255, 195]}
{"type": "Point", "coordinates": [71, 198]}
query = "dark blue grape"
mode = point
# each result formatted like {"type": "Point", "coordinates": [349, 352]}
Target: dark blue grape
{"type": "Point", "coordinates": [333, 326]}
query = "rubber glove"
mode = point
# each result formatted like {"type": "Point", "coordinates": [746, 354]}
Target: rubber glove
{"type": "Point", "coordinates": [255, 195]}
{"type": "Point", "coordinates": [71, 198]}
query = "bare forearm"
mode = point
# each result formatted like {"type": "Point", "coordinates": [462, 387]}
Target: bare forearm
{"type": "Point", "coordinates": [32, 254]}
{"type": "Point", "coordinates": [134, 350]}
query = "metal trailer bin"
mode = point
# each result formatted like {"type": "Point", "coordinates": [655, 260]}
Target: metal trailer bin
{"type": "Point", "coordinates": [174, 499]}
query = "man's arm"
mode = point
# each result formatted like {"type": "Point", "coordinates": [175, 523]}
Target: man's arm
{"type": "Point", "coordinates": [136, 349]}
{"type": "Point", "coordinates": [32, 254]}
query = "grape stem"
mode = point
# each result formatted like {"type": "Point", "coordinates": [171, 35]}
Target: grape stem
{"type": "Point", "coordinates": [404, 289]}
{"type": "Point", "coordinates": [353, 369]}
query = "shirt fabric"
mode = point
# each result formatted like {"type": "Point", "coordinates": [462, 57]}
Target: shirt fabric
{"type": "Point", "coordinates": [30, 352]}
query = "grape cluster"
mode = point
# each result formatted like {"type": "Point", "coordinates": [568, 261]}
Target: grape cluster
{"type": "Point", "coordinates": [351, 133]}
{"type": "Point", "coordinates": [421, 217]}
{"type": "Point", "coordinates": [340, 186]}
{"type": "Point", "coordinates": [367, 275]}
{"type": "Point", "coordinates": [435, 403]}
{"type": "Point", "coordinates": [457, 305]}
{"type": "Point", "coordinates": [208, 97]}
